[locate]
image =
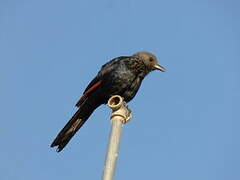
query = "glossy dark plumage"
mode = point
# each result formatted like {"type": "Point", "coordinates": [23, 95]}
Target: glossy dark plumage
{"type": "Point", "coordinates": [120, 76]}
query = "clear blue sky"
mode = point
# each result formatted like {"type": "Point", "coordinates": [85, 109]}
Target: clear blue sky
{"type": "Point", "coordinates": [185, 122]}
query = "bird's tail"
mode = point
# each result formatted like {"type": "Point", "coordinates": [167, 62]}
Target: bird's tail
{"type": "Point", "coordinates": [73, 125]}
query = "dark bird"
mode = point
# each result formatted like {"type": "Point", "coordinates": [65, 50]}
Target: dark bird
{"type": "Point", "coordinates": [121, 76]}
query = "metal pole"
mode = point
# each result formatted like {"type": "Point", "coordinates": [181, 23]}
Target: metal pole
{"type": "Point", "coordinates": [120, 115]}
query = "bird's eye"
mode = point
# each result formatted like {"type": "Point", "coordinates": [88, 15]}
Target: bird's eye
{"type": "Point", "coordinates": [151, 59]}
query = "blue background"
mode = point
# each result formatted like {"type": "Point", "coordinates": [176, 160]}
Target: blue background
{"type": "Point", "coordinates": [185, 122]}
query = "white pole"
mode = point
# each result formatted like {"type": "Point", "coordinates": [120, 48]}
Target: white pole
{"type": "Point", "coordinates": [120, 115]}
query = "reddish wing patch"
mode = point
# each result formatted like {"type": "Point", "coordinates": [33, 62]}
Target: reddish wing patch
{"type": "Point", "coordinates": [87, 92]}
{"type": "Point", "coordinates": [92, 88]}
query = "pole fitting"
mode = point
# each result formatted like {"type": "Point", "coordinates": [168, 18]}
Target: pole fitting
{"type": "Point", "coordinates": [119, 108]}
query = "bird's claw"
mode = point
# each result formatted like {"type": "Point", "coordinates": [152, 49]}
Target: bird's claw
{"type": "Point", "coordinates": [128, 118]}
{"type": "Point", "coordinates": [129, 114]}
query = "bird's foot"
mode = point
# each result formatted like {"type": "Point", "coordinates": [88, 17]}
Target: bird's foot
{"type": "Point", "coordinates": [128, 115]}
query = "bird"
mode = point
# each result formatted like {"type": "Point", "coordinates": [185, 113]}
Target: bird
{"type": "Point", "coordinates": [121, 76]}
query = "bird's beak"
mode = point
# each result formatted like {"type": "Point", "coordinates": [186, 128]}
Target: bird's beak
{"type": "Point", "coordinates": [158, 67]}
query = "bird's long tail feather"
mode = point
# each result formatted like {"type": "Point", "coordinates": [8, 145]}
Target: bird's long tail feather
{"type": "Point", "coordinates": [73, 125]}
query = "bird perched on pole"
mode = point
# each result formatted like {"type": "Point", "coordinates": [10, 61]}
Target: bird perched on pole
{"type": "Point", "coordinates": [121, 76]}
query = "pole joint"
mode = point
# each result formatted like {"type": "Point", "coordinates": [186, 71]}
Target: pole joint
{"type": "Point", "coordinates": [119, 108]}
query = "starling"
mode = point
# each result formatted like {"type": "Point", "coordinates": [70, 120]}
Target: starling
{"type": "Point", "coordinates": [121, 76]}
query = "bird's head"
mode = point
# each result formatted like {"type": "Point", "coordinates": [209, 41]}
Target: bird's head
{"type": "Point", "coordinates": [150, 61]}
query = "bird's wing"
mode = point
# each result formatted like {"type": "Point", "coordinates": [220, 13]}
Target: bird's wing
{"type": "Point", "coordinates": [99, 80]}
{"type": "Point", "coordinates": [93, 85]}
{"type": "Point", "coordinates": [111, 65]}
